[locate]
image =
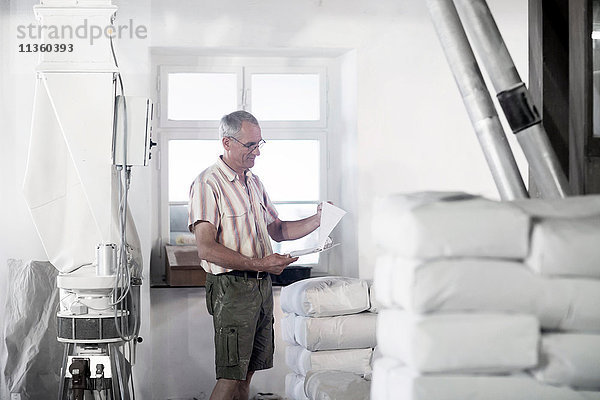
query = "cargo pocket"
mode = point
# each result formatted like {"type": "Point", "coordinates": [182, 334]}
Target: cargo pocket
{"type": "Point", "coordinates": [209, 302]}
{"type": "Point", "coordinates": [228, 347]}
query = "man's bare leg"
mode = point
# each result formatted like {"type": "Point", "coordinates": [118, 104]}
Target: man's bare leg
{"type": "Point", "coordinates": [244, 386]}
{"type": "Point", "coordinates": [226, 389]}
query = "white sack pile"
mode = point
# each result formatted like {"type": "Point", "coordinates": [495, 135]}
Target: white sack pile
{"type": "Point", "coordinates": [331, 336]}
{"type": "Point", "coordinates": [471, 288]}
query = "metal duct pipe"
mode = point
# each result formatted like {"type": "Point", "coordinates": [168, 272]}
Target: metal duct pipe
{"type": "Point", "coordinates": [477, 100]}
{"type": "Point", "coordinates": [523, 118]}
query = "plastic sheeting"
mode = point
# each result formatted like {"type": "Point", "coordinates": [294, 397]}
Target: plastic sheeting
{"type": "Point", "coordinates": [336, 385]}
{"type": "Point", "coordinates": [325, 296]}
{"type": "Point", "coordinates": [31, 356]}
{"type": "Point", "coordinates": [481, 343]}
{"type": "Point", "coordinates": [302, 361]}
{"type": "Point", "coordinates": [566, 246]}
{"type": "Point", "coordinates": [356, 331]}
{"type": "Point", "coordinates": [426, 226]}
{"type": "Point", "coordinates": [392, 381]}
{"type": "Point", "coordinates": [570, 359]}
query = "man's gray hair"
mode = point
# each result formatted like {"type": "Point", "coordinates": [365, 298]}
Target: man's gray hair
{"type": "Point", "coordinates": [231, 124]}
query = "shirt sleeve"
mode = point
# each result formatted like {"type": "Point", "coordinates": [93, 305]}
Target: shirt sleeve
{"type": "Point", "coordinates": [271, 213]}
{"type": "Point", "coordinates": [203, 205]}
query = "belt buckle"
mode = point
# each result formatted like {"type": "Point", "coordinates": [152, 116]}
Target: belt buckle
{"type": "Point", "coordinates": [259, 276]}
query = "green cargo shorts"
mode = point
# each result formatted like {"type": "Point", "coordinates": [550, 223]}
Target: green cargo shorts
{"type": "Point", "coordinates": [242, 310]}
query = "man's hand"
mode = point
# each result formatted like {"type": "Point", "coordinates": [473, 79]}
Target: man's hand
{"type": "Point", "coordinates": [275, 263]}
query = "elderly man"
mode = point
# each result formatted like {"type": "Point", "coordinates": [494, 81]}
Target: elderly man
{"type": "Point", "coordinates": [232, 218]}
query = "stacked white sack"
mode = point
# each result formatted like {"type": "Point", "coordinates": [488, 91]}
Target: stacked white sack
{"type": "Point", "coordinates": [565, 252]}
{"type": "Point", "coordinates": [433, 225]}
{"type": "Point", "coordinates": [336, 385]}
{"type": "Point", "coordinates": [566, 247]}
{"type": "Point", "coordinates": [459, 343]}
{"type": "Point", "coordinates": [488, 285]}
{"type": "Point", "coordinates": [393, 381]}
{"type": "Point", "coordinates": [447, 254]}
{"type": "Point", "coordinates": [331, 335]}
{"type": "Point", "coordinates": [302, 361]}
{"type": "Point", "coordinates": [570, 360]}
{"type": "Point", "coordinates": [355, 331]}
{"type": "Point", "coordinates": [294, 387]}
{"type": "Point", "coordinates": [325, 296]}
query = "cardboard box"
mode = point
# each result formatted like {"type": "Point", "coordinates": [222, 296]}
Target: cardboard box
{"type": "Point", "coordinates": [183, 266]}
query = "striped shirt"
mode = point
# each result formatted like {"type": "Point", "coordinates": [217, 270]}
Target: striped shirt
{"type": "Point", "coordinates": [239, 212]}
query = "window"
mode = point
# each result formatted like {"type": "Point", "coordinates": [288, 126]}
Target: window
{"type": "Point", "coordinates": [188, 96]}
{"type": "Point", "coordinates": [297, 97]}
{"type": "Point", "coordinates": [290, 104]}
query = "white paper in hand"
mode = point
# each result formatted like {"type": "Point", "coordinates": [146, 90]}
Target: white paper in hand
{"type": "Point", "coordinates": [330, 217]}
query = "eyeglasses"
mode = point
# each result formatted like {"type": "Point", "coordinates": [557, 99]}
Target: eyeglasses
{"type": "Point", "coordinates": [250, 146]}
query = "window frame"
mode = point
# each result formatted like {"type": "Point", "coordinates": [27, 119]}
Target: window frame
{"type": "Point", "coordinates": [169, 130]}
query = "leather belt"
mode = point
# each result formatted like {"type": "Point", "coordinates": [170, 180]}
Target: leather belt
{"type": "Point", "coordinates": [247, 274]}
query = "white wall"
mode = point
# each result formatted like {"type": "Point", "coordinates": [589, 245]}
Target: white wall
{"type": "Point", "coordinates": [413, 132]}
{"type": "Point", "coordinates": [401, 108]}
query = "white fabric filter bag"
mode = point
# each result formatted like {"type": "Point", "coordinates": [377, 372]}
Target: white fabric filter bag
{"type": "Point", "coordinates": [353, 331]}
{"type": "Point", "coordinates": [302, 361]}
{"type": "Point", "coordinates": [288, 328]}
{"type": "Point", "coordinates": [393, 381]}
{"type": "Point", "coordinates": [325, 296]}
{"type": "Point", "coordinates": [336, 385]}
{"type": "Point", "coordinates": [571, 360]}
{"type": "Point", "coordinates": [469, 342]}
{"type": "Point", "coordinates": [294, 387]}
{"type": "Point", "coordinates": [425, 226]}
{"type": "Point", "coordinates": [566, 247]}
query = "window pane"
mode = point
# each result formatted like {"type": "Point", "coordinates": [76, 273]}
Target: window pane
{"type": "Point", "coordinates": [286, 97]}
{"type": "Point", "coordinates": [290, 169]}
{"type": "Point", "coordinates": [201, 96]}
{"type": "Point", "coordinates": [293, 212]}
{"type": "Point", "coordinates": [187, 158]}
{"type": "Point", "coordinates": [178, 225]}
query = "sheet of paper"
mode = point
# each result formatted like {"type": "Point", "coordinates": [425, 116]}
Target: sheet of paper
{"type": "Point", "coordinates": [330, 217]}
{"type": "Point", "coordinates": [298, 253]}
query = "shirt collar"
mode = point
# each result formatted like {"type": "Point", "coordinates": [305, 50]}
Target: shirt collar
{"type": "Point", "coordinates": [229, 173]}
